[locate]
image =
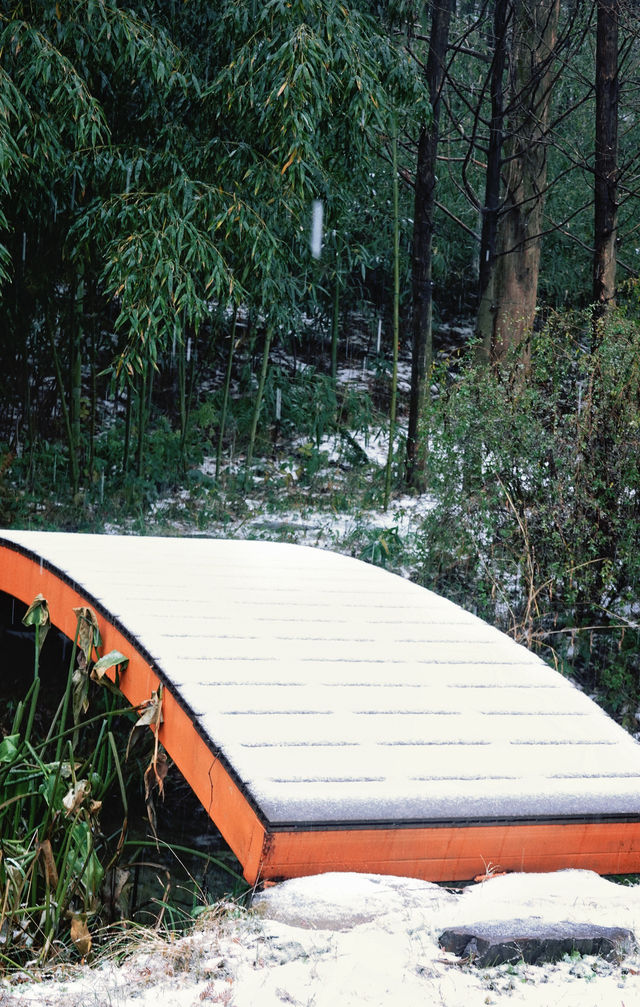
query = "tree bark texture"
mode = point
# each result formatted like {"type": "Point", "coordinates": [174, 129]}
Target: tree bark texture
{"type": "Point", "coordinates": [519, 242]}
{"type": "Point", "coordinates": [421, 256]}
{"type": "Point", "coordinates": [490, 211]}
{"type": "Point", "coordinates": [606, 156]}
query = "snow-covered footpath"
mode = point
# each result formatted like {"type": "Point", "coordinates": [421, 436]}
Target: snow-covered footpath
{"type": "Point", "coordinates": [349, 940]}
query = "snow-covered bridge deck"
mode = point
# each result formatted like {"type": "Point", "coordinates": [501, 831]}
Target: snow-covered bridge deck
{"type": "Point", "coordinates": [332, 716]}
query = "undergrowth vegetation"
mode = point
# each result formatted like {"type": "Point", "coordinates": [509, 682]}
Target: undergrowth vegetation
{"type": "Point", "coordinates": [135, 455]}
{"type": "Point", "coordinates": [66, 881]}
{"type": "Point", "coordinates": [535, 472]}
{"type": "Point", "coordinates": [531, 516]}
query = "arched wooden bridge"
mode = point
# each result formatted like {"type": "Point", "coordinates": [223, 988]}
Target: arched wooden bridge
{"type": "Point", "coordinates": [332, 716]}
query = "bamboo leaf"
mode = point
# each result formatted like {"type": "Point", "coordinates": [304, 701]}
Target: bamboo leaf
{"type": "Point", "coordinates": [288, 162]}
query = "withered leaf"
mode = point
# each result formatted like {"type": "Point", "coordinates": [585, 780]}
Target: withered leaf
{"type": "Point", "coordinates": [38, 615]}
{"type": "Point", "coordinates": [75, 796]}
{"type": "Point", "coordinates": [149, 802]}
{"type": "Point", "coordinates": [80, 687]}
{"type": "Point", "coordinates": [80, 936]}
{"type": "Point", "coordinates": [150, 716]}
{"type": "Point", "coordinates": [114, 659]}
{"type": "Point", "coordinates": [154, 776]}
{"type": "Point", "coordinates": [113, 892]}
{"type": "Point", "coordinates": [49, 870]}
{"type": "Point", "coordinates": [88, 631]}
{"type": "Point", "coordinates": [156, 773]}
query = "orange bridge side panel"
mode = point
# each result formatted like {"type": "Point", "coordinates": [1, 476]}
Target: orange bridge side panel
{"type": "Point", "coordinates": [456, 853]}
{"type": "Point", "coordinates": [445, 853]}
{"type": "Point", "coordinates": [24, 578]}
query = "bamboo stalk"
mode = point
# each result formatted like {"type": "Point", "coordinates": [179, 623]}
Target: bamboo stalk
{"type": "Point", "coordinates": [142, 422]}
{"type": "Point", "coordinates": [258, 402]}
{"type": "Point", "coordinates": [227, 386]}
{"type": "Point", "coordinates": [127, 432]}
{"type": "Point", "coordinates": [73, 458]}
{"type": "Point", "coordinates": [335, 325]}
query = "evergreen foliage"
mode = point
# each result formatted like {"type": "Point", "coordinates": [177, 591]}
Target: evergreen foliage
{"type": "Point", "coordinates": [536, 479]}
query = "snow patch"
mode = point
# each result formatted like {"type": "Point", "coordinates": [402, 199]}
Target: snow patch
{"type": "Point", "coordinates": [359, 941]}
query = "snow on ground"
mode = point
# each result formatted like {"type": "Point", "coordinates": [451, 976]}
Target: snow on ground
{"type": "Point", "coordinates": [307, 522]}
{"type": "Point", "coordinates": [328, 530]}
{"type": "Point", "coordinates": [349, 940]}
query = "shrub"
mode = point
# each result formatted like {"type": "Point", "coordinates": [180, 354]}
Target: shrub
{"type": "Point", "coordinates": [535, 471]}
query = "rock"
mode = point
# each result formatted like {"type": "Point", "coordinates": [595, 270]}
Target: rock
{"type": "Point", "coordinates": [533, 940]}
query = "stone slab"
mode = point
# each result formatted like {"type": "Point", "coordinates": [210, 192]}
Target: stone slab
{"type": "Point", "coordinates": [534, 940]}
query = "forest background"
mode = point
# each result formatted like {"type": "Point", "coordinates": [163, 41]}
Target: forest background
{"type": "Point", "coordinates": [162, 302]}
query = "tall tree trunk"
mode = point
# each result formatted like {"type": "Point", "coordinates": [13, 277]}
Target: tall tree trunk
{"type": "Point", "coordinates": [396, 320]}
{"type": "Point", "coordinates": [606, 156]}
{"type": "Point", "coordinates": [517, 262]}
{"type": "Point", "coordinates": [490, 211]}
{"type": "Point", "coordinates": [421, 260]}
{"type": "Point", "coordinates": [91, 314]}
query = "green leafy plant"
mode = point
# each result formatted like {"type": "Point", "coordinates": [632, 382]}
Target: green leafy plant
{"type": "Point", "coordinates": [381, 547]}
{"type": "Point", "coordinates": [51, 792]}
{"type": "Point", "coordinates": [537, 481]}
{"type": "Point", "coordinates": [62, 879]}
